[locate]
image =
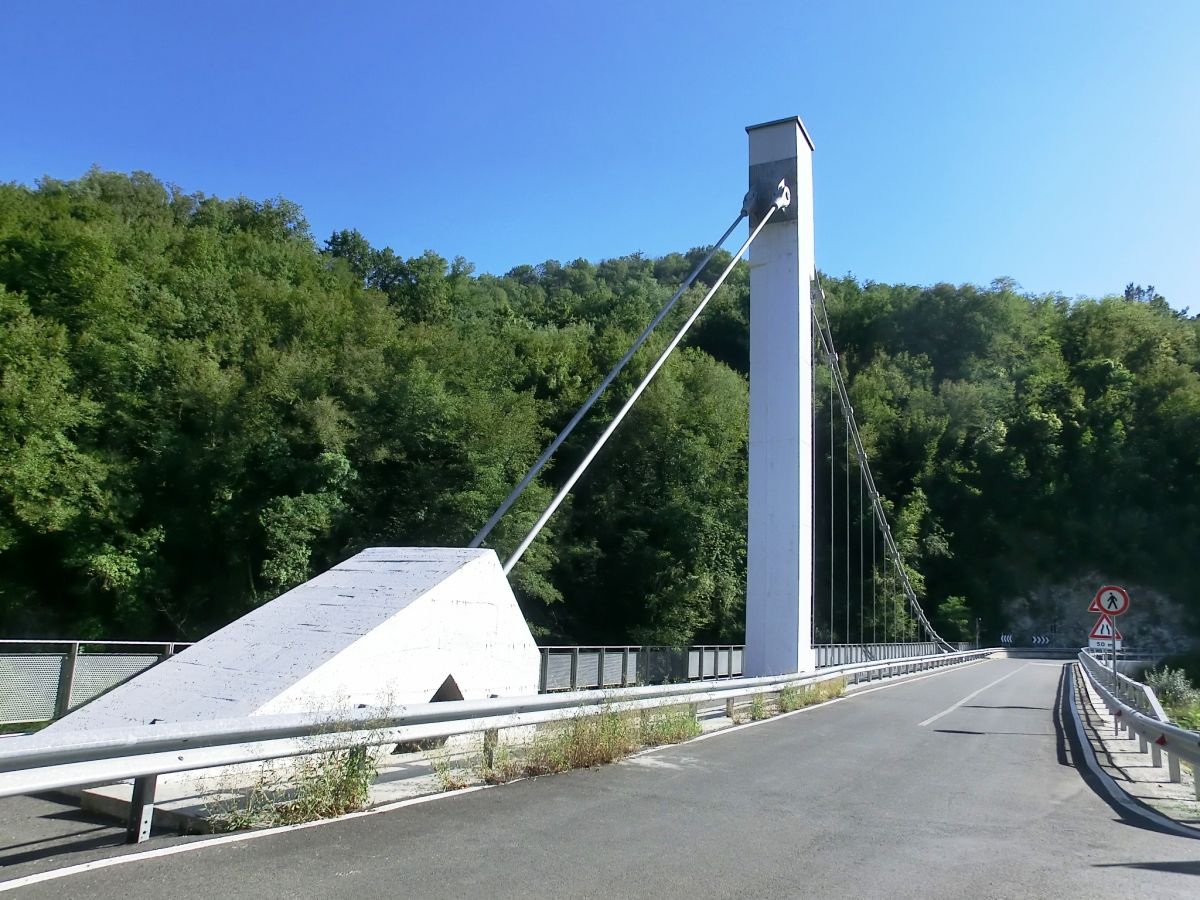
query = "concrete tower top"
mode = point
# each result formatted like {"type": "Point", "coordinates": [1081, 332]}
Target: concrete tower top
{"type": "Point", "coordinates": [796, 119]}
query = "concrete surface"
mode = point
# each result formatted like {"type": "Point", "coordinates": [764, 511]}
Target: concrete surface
{"type": "Point", "coordinates": [388, 626]}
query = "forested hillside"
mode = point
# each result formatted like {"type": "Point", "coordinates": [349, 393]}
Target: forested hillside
{"type": "Point", "coordinates": [201, 405]}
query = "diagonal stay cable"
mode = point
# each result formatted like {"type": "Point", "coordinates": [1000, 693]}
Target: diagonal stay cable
{"type": "Point", "coordinates": [782, 198]}
{"type": "Point", "coordinates": [890, 545]}
{"type": "Point", "coordinates": [512, 498]}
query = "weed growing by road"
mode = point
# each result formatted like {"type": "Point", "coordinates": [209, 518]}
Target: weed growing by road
{"type": "Point", "coordinates": [449, 776]}
{"type": "Point", "coordinates": [503, 768]}
{"type": "Point", "coordinates": [758, 708]}
{"type": "Point", "coordinates": [583, 742]}
{"type": "Point", "coordinates": [319, 786]}
{"type": "Point", "coordinates": [790, 698]}
{"type": "Point", "coordinates": [669, 726]}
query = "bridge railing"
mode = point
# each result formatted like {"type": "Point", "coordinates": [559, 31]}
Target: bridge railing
{"type": "Point", "coordinates": [143, 752]}
{"type": "Point", "coordinates": [845, 654]}
{"type": "Point", "coordinates": [1136, 708]}
{"type": "Point", "coordinates": [44, 680]}
{"type": "Point", "coordinates": [569, 668]}
{"type": "Point", "coordinates": [41, 681]}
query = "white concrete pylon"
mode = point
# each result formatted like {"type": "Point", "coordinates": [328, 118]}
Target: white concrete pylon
{"type": "Point", "coordinates": [779, 579]}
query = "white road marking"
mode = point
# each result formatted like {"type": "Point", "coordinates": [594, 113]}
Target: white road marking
{"type": "Point", "coordinates": [79, 869]}
{"type": "Point", "coordinates": [971, 696]}
{"type": "Point", "coordinates": [884, 687]}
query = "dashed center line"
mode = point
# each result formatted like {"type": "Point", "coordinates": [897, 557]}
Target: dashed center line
{"type": "Point", "coordinates": [971, 696]}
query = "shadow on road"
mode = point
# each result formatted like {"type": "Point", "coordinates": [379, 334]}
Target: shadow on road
{"type": "Point", "coordinates": [988, 733]}
{"type": "Point", "coordinates": [54, 826]}
{"type": "Point", "coordinates": [1183, 867]}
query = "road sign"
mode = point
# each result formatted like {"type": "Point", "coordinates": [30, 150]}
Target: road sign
{"type": "Point", "coordinates": [1104, 629]}
{"type": "Point", "coordinates": [1102, 644]}
{"type": "Point", "coordinates": [1040, 639]}
{"type": "Point", "coordinates": [1110, 600]}
{"type": "Point", "coordinates": [1006, 638]}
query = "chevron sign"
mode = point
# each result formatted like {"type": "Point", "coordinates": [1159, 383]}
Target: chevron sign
{"type": "Point", "coordinates": [1040, 639]}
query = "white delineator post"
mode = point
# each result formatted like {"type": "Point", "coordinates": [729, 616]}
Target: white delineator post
{"type": "Point", "coordinates": [779, 579]}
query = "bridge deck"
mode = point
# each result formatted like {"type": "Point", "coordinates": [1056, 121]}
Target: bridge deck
{"type": "Point", "coordinates": [956, 784]}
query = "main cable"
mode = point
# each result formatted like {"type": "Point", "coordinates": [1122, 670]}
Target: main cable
{"type": "Point", "coordinates": [782, 199]}
{"type": "Point", "coordinates": [512, 498]}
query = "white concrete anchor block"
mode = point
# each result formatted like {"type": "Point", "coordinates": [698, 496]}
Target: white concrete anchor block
{"type": "Point", "coordinates": [387, 626]}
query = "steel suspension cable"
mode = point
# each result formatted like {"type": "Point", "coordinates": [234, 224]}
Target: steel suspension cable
{"type": "Point", "coordinates": [861, 575]}
{"type": "Point", "coordinates": [832, 542]}
{"type": "Point", "coordinates": [816, 417]}
{"type": "Point", "coordinates": [886, 633]}
{"type": "Point", "coordinates": [846, 634]}
{"type": "Point", "coordinates": [874, 587]}
{"type": "Point", "coordinates": [890, 545]}
{"type": "Point", "coordinates": [512, 498]}
{"type": "Point", "coordinates": [816, 472]}
{"type": "Point", "coordinates": [782, 199]}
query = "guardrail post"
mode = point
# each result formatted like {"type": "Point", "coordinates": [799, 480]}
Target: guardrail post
{"type": "Point", "coordinates": [700, 654]}
{"type": "Point", "coordinates": [141, 809]}
{"type": "Point", "coordinates": [600, 673]}
{"type": "Point", "coordinates": [574, 668]}
{"type": "Point", "coordinates": [1173, 767]}
{"type": "Point", "coordinates": [491, 737]}
{"type": "Point", "coordinates": [624, 666]}
{"type": "Point", "coordinates": [1156, 755]}
{"type": "Point", "coordinates": [1143, 746]}
{"type": "Point", "coordinates": [544, 678]}
{"type": "Point", "coordinates": [66, 681]}
{"type": "Point", "coordinates": [729, 708]}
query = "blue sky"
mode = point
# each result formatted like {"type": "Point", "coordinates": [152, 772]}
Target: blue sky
{"type": "Point", "coordinates": [1056, 143]}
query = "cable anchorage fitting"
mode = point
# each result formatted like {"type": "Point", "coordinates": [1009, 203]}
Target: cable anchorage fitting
{"type": "Point", "coordinates": [783, 195]}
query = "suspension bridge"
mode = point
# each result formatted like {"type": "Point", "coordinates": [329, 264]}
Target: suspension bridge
{"type": "Point", "coordinates": [943, 772]}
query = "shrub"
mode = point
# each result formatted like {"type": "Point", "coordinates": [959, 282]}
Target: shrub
{"type": "Point", "coordinates": [1173, 687]}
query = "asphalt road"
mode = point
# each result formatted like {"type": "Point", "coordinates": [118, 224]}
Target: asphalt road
{"type": "Point", "coordinates": [854, 799]}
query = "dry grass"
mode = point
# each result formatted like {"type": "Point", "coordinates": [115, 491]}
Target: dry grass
{"type": "Point", "coordinates": [314, 787]}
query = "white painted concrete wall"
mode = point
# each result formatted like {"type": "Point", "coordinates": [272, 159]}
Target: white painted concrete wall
{"type": "Point", "coordinates": [385, 626]}
{"type": "Point", "coordinates": [780, 565]}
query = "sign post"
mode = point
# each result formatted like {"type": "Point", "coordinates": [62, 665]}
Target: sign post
{"type": "Point", "coordinates": [1109, 601]}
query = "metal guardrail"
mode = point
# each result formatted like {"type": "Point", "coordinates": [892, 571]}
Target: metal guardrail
{"type": "Point", "coordinates": [1137, 709]}
{"type": "Point", "coordinates": [44, 680]}
{"type": "Point", "coordinates": [144, 752]}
